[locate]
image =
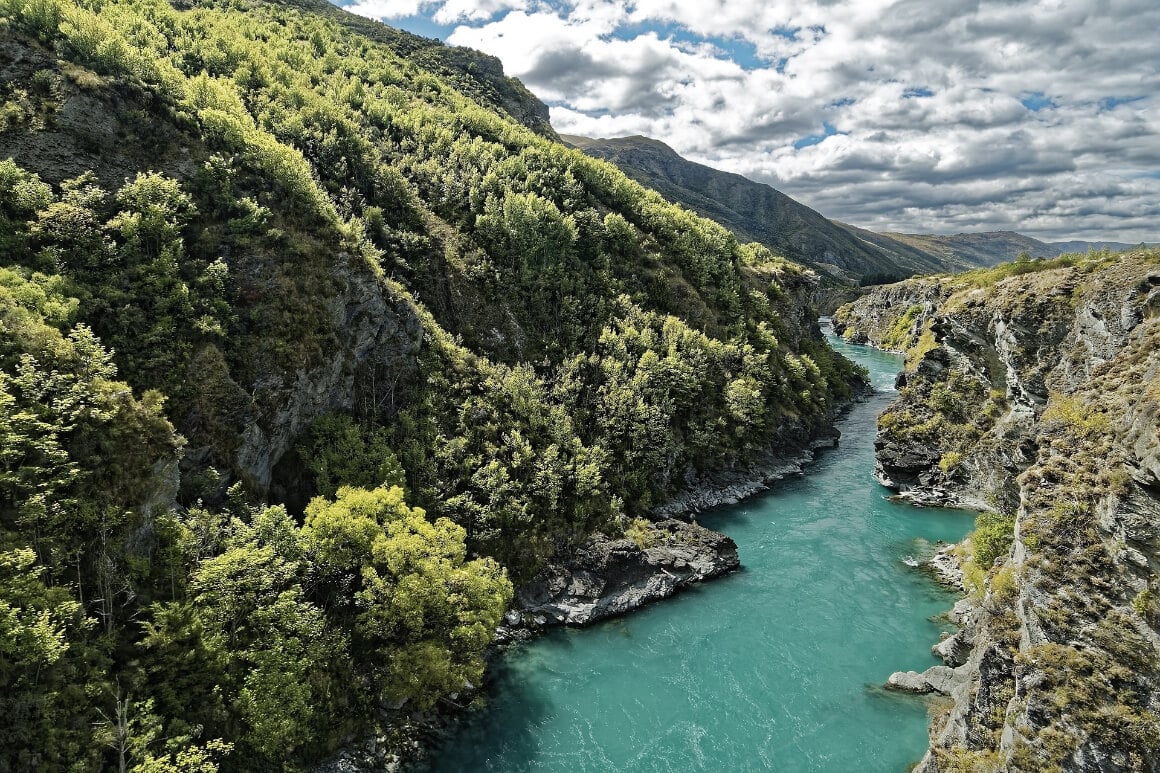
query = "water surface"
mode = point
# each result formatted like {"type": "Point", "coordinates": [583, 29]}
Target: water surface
{"type": "Point", "coordinates": [776, 667]}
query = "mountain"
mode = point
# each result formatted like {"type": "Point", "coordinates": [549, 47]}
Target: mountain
{"type": "Point", "coordinates": [757, 212]}
{"type": "Point", "coordinates": [315, 346]}
{"type": "Point", "coordinates": [846, 253]}
{"type": "Point", "coordinates": [977, 249]}
{"type": "Point", "coordinates": [1081, 246]}
{"type": "Point", "coordinates": [987, 248]}
{"type": "Point", "coordinates": [994, 247]}
{"type": "Point", "coordinates": [911, 253]}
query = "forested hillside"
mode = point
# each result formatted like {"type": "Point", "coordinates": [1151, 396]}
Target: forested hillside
{"type": "Point", "coordinates": [757, 212]}
{"type": "Point", "coordinates": [307, 357]}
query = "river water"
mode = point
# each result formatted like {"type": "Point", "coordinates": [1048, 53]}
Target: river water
{"type": "Point", "coordinates": [776, 667]}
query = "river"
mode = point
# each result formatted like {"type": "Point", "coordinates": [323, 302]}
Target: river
{"type": "Point", "coordinates": [776, 667]}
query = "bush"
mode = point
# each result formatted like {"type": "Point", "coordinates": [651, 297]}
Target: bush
{"type": "Point", "coordinates": [640, 531]}
{"type": "Point", "coordinates": [992, 538]}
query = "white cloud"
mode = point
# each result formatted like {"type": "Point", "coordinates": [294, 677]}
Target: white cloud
{"type": "Point", "coordinates": [925, 97]}
{"type": "Point", "coordinates": [386, 9]}
{"type": "Point", "coordinates": [441, 11]}
{"type": "Point", "coordinates": [453, 11]}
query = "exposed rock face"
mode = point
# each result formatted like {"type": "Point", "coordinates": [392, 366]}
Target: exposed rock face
{"type": "Point", "coordinates": [606, 577]}
{"type": "Point", "coordinates": [939, 679]}
{"type": "Point", "coordinates": [378, 337]}
{"type": "Point", "coordinates": [875, 317]}
{"type": "Point", "coordinates": [728, 487]}
{"type": "Point", "coordinates": [946, 568]}
{"type": "Point", "coordinates": [1035, 396]}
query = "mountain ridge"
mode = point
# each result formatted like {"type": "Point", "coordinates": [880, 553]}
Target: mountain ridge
{"type": "Point", "coordinates": [758, 212]}
{"type": "Point", "coordinates": [753, 211]}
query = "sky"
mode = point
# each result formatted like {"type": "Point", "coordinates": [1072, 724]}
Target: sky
{"type": "Point", "coordinates": [921, 116]}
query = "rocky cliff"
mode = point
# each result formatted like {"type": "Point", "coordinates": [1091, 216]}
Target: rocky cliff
{"type": "Point", "coordinates": [1031, 394]}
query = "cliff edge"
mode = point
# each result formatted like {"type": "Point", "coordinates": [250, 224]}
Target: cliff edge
{"type": "Point", "coordinates": [1031, 394]}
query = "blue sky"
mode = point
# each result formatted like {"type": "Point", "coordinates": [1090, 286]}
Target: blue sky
{"type": "Point", "coordinates": [911, 115]}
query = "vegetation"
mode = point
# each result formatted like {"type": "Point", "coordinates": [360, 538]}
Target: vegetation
{"type": "Point", "coordinates": [904, 331]}
{"type": "Point", "coordinates": [992, 537]}
{"type": "Point", "coordinates": [304, 354]}
{"type": "Point", "coordinates": [162, 633]}
{"type": "Point", "coordinates": [1027, 412]}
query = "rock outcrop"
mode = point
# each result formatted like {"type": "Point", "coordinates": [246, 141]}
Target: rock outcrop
{"type": "Point", "coordinates": [1031, 394]}
{"type": "Point", "coordinates": [937, 679]}
{"type": "Point", "coordinates": [377, 335]}
{"type": "Point", "coordinates": [717, 488]}
{"type": "Point", "coordinates": [606, 577]}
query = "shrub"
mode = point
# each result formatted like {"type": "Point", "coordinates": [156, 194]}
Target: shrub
{"type": "Point", "coordinates": [640, 532]}
{"type": "Point", "coordinates": [992, 537]}
{"type": "Point", "coordinates": [950, 461]}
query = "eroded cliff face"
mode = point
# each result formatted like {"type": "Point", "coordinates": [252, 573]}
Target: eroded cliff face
{"type": "Point", "coordinates": [378, 334]}
{"type": "Point", "coordinates": [1032, 393]}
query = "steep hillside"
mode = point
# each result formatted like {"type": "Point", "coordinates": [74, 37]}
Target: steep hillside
{"type": "Point", "coordinates": [1031, 394]}
{"type": "Point", "coordinates": [308, 356]}
{"type": "Point", "coordinates": [472, 73]}
{"type": "Point", "coordinates": [755, 212]}
{"type": "Point", "coordinates": [844, 253]}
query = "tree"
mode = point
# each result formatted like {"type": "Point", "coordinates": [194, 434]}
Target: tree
{"type": "Point", "coordinates": [424, 613]}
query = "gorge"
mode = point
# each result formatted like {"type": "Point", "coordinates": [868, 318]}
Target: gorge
{"type": "Point", "coordinates": [778, 666]}
{"type": "Point", "coordinates": [325, 365]}
{"type": "Point", "coordinates": [1031, 394]}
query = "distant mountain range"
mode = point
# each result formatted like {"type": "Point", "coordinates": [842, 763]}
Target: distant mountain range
{"type": "Point", "coordinates": [845, 253]}
{"type": "Point", "coordinates": [756, 212]}
{"type": "Point", "coordinates": [992, 247]}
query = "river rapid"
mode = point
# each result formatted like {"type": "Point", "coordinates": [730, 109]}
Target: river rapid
{"type": "Point", "coordinates": [776, 667]}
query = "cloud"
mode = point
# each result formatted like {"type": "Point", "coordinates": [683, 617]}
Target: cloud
{"type": "Point", "coordinates": [386, 9]}
{"type": "Point", "coordinates": [441, 11]}
{"type": "Point", "coordinates": [934, 115]}
{"type": "Point", "coordinates": [453, 11]}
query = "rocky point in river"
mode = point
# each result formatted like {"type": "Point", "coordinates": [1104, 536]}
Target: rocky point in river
{"type": "Point", "coordinates": [606, 577]}
{"type": "Point", "coordinates": [1031, 395]}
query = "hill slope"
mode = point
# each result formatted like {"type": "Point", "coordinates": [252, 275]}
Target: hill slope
{"type": "Point", "coordinates": [754, 211]}
{"type": "Point", "coordinates": [994, 247]}
{"type": "Point", "coordinates": [757, 212]}
{"type": "Point", "coordinates": [307, 356]}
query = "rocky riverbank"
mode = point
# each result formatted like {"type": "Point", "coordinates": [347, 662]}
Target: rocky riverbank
{"type": "Point", "coordinates": [606, 577]}
{"type": "Point", "coordinates": [728, 487]}
{"type": "Point", "coordinates": [1030, 394]}
{"type": "Point", "coordinates": [954, 650]}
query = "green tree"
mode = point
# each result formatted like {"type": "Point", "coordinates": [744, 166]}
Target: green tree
{"type": "Point", "coordinates": [424, 614]}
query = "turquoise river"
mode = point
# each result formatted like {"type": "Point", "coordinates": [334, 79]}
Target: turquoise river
{"type": "Point", "coordinates": [776, 667]}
